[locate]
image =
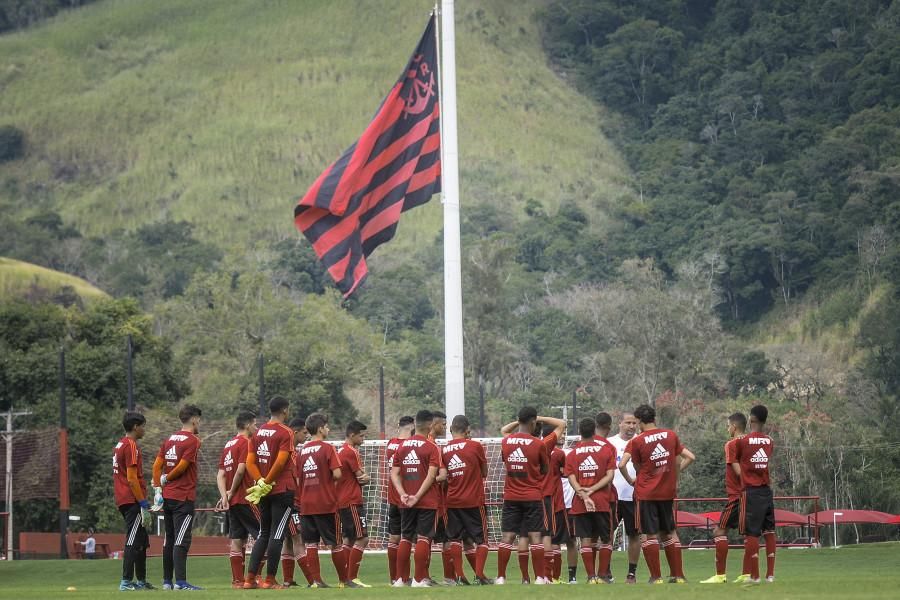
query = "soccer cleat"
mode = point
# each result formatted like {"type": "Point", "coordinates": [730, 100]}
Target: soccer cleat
{"type": "Point", "coordinates": [248, 585]}
{"type": "Point", "coordinates": [462, 581]}
{"type": "Point", "coordinates": [237, 585]}
{"type": "Point", "coordinates": [126, 586]}
{"type": "Point", "coordinates": [187, 587]}
{"type": "Point", "coordinates": [144, 585]}
{"type": "Point", "coordinates": [573, 581]}
{"type": "Point", "coordinates": [500, 581]}
{"type": "Point", "coordinates": [447, 582]}
{"type": "Point", "coordinates": [398, 583]}
{"type": "Point", "coordinates": [716, 579]}
{"type": "Point", "coordinates": [752, 581]}
{"type": "Point", "coordinates": [656, 580]}
{"type": "Point", "coordinates": [526, 582]}
{"type": "Point", "coordinates": [677, 580]}
{"type": "Point", "coordinates": [290, 583]}
{"type": "Point", "coordinates": [541, 581]}
{"type": "Point", "coordinates": [167, 585]}
{"type": "Point", "coordinates": [271, 585]}
{"type": "Point", "coordinates": [630, 579]}
{"type": "Point", "coordinates": [360, 583]}
{"type": "Point", "coordinates": [350, 584]}
{"type": "Point", "coordinates": [483, 581]}
{"type": "Point", "coordinates": [318, 584]}
{"type": "Point", "coordinates": [421, 584]}
{"type": "Point", "coordinates": [606, 579]}
{"type": "Point", "coordinates": [742, 578]}
{"type": "Point", "coordinates": [770, 579]}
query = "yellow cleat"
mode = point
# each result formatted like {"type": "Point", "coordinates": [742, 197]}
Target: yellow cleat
{"type": "Point", "coordinates": [360, 583]}
{"type": "Point", "coordinates": [716, 579]}
{"type": "Point", "coordinates": [742, 578]}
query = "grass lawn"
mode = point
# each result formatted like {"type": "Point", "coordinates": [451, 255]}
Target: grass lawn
{"type": "Point", "coordinates": [866, 571]}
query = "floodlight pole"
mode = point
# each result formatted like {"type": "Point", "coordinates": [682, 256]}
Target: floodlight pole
{"type": "Point", "coordinates": [834, 517]}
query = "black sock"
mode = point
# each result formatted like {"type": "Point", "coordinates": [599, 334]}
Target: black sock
{"type": "Point", "coordinates": [572, 572]}
{"type": "Point", "coordinates": [632, 568]}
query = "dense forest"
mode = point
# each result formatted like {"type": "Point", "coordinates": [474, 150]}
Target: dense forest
{"type": "Point", "coordinates": [751, 257]}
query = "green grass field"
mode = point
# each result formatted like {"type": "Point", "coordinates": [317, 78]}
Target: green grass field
{"type": "Point", "coordinates": [867, 571]}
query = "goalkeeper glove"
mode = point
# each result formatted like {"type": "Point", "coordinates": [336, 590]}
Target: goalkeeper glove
{"type": "Point", "coordinates": [256, 492]}
{"type": "Point", "coordinates": [163, 480]}
{"type": "Point", "coordinates": [146, 519]}
{"type": "Point", "coordinates": [157, 499]}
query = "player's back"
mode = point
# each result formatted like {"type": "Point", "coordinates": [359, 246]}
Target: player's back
{"type": "Point", "coordinates": [463, 460]}
{"type": "Point", "coordinates": [181, 445]}
{"type": "Point", "coordinates": [271, 439]}
{"type": "Point", "coordinates": [754, 451]}
{"type": "Point", "coordinates": [655, 455]}
{"type": "Point", "coordinates": [318, 460]}
{"type": "Point", "coordinates": [523, 454]}
{"type": "Point", "coordinates": [415, 456]}
{"type": "Point", "coordinates": [348, 489]}
{"type": "Point", "coordinates": [126, 454]}
{"type": "Point", "coordinates": [233, 454]}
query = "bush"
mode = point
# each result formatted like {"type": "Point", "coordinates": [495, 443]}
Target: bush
{"type": "Point", "coordinates": [12, 143]}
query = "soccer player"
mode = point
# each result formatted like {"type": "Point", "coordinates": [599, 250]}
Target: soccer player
{"type": "Point", "coordinates": [416, 466]}
{"type": "Point", "coordinates": [350, 500]}
{"type": "Point", "coordinates": [590, 468]}
{"type": "Point", "coordinates": [129, 492]}
{"type": "Point", "coordinates": [319, 520]}
{"type": "Point", "coordinates": [526, 460]}
{"type": "Point", "coordinates": [293, 548]}
{"type": "Point", "coordinates": [268, 462]}
{"type": "Point", "coordinates": [438, 432]}
{"type": "Point", "coordinates": [729, 518]}
{"type": "Point", "coordinates": [175, 471]}
{"type": "Point", "coordinates": [406, 426]}
{"type": "Point", "coordinates": [232, 479]}
{"type": "Point", "coordinates": [754, 451]}
{"type": "Point", "coordinates": [557, 531]}
{"type": "Point", "coordinates": [568, 497]}
{"type": "Point", "coordinates": [655, 453]}
{"type": "Point", "coordinates": [602, 427]}
{"type": "Point", "coordinates": [467, 468]}
{"type": "Point", "coordinates": [625, 493]}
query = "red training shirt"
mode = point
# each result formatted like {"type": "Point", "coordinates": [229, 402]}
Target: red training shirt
{"type": "Point", "coordinates": [126, 454]}
{"type": "Point", "coordinates": [392, 446]}
{"type": "Point", "coordinates": [654, 454]}
{"type": "Point", "coordinates": [414, 457]}
{"type": "Point", "coordinates": [270, 439]}
{"type": "Point", "coordinates": [523, 454]}
{"type": "Point", "coordinates": [318, 460]}
{"type": "Point", "coordinates": [348, 489]}
{"type": "Point", "coordinates": [589, 462]}
{"type": "Point", "coordinates": [181, 445]}
{"type": "Point", "coordinates": [233, 454]}
{"type": "Point", "coordinates": [297, 472]}
{"type": "Point", "coordinates": [464, 460]}
{"type": "Point", "coordinates": [753, 453]}
{"type": "Point", "coordinates": [553, 480]}
{"type": "Point", "coordinates": [733, 485]}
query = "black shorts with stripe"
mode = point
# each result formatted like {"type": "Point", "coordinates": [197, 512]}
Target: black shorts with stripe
{"type": "Point", "coordinates": [730, 518]}
{"type": "Point", "coordinates": [320, 528]}
{"type": "Point", "coordinates": [243, 521]}
{"type": "Point", "coordinates": [625, 513]}
{"type": "Point", "coordinates": [757, 511]}
{"type": "Point", "coordinates": [418, 522]}
{"type": "Point", "coordinates": [178, 516]}
{"type": "Point", "coordinates": [135, 534]}
{"type": "Point", "coordinates": [654, 516]}
{"type": "Point", "coordinates": [353, 522]}
{"type": "Point", "coordinates": [393, 519]}
{"type": "Point", "coordinates": [594, 525]}
{"type": "Point", "coordinates": [522, 516]}
{"type": "Point", "coordinates": [440, 528]}
{"type": "Point", "coordinates": [467, 524]}
{"type": "Point", "coordinates": [556, 525]}
{"type": "Point", "coordinates": [295, 525]}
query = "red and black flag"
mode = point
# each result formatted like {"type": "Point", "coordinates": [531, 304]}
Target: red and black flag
{"type": "Point", "coordinates": [355, 204]}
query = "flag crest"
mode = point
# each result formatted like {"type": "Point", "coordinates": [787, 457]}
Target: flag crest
{"type": "Point", "coordinates": [355, 204]}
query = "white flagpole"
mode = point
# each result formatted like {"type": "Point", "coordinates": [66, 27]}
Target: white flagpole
{"type": "Point", "coordinates": [453, 322]}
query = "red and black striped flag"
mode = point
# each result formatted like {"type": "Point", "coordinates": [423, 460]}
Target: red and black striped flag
{"type": "Point", "coordinates": [355, 204]}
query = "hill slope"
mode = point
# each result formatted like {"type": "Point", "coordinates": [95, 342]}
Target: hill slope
{"type": "Point", "coordinates": [18, 278]}
{"type": "Point", "coordinates": [221, 113]}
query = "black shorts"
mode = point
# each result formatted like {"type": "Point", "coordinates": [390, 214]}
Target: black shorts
{"type": "Point", "coordinates": [325, 528]}
{"type": "Point", "coordinates": [571, 520]}
{"type": "Point", "coordinates": [393, 519]}
{"type": "Point", "coordinates": [135, 535]}
{"type": "Point", "coordinates": [440, 530]}
{"type": "Point", "coordinates": [178, 517]}
{"type": "Point", "coordinates": [243, 521]}
{"type": "Point", "coordinates": [467, 524]}
{"type": "Point", "coordinates": [353, 522]}
{"type": "Point", "coordinates": [418, 522]}
{"type": "Point", "coordinates": [758, 511]}
{"type": "Point", "coordinates": [559, 522]}
{"type": "Point", "coordinates": [625, 513]}
{"type": "Point", "coordinates": [654, 516]}
{"type": "Point", "coordinates": [730, 518]}
{"type": "Point", "coordinates": [295, 524]}
{"type": "Point", "coordinates": [522, 516]}
{"type": "Point", "coordinates": [595, 525]}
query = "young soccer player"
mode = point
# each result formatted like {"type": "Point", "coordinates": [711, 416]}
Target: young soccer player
{"type": "Point", "coordinates": [625, 494]}
{"type": "Point", "coordinates": [129, 492]}
{"type": "Point", "coordinates": [466, 465]}
{"type": "Point", "coordinates": [175, 471]}
{"type": "Point", "coordinates": [232, 480]}
{"type": "Point", "coordinates": [268, 462]}
{"type": "Point", "coordinates": [416, 466]}
{"type": "Point", "coordinates": [350, 500]}
{"type": "Point", "coordinates": [655, 453]}
{"type": "Point", "coordinates": [406, 426]}
{"type": "Point", "coordinates": [729, 518]}
{"type": "Point", "coordinates": [319, 520]}
{"type": "Point", "coordinates": [754, 451]}
{"type": "Point", "coordinates": [589, 468]}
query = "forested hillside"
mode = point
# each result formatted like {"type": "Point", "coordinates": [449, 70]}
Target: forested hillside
{"type": "Point", "coordinates": [686, 203]}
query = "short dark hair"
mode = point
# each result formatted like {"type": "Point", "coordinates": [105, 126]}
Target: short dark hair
{"type": "Point", "coordinates": [424, 417]}
{"type": "Point", "coordinates": [189, 411]}
{"type": "Point", "coordinates": [645, 414]}
{"type": "Point", "coordinates": [132, 420]}
{"type": "Point", "coordinates": [244, 418]}
{"type": "Point", "coordinates": [297, 423]}
{"type": "Point", "coordinates": [460, 424]}
{"type": "Point", "coordinates": [315, 422]}
{"type": "Point", "coordinates": [547, 429]}
{"type": "Point", "coordinates": [586, 427]}
{"type": "Point", "coordinates": [278, 404]}
{"type": "Point", "coordinates": [354, 427]}
{"type": "Point", "coordinates": [739, 420]}
{"type": "Point", "coordinates": [527, 413]}
{"type": "Point", "coordinates": [760, 412]}
{"type": "Point", "coordinates": [406, 421]}
{"type": "Point", "coordinates": [604, 420]}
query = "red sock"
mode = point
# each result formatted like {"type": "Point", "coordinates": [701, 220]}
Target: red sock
{"type": "Point", "coordinates": [456, 560]}
{"type": "Point", "coordinates": [503, 553]}
{"type": "Point", "coordinates": [339, 560]}
{"type": "Point", "coordinates": [605, 558]}
{"type": "Point", "coordinates": [422, 553]}
{"type": "Point", "coordinates": [751, 556]}
{"type": "Point", "coordinates": [471, 557]}
{"type": "Point", "coordinates": [312, 559]}
{"type": "Point", "coordinates": [771, 545]}
{"type": "Point", "coordinates": [721, 554]}
{"type": "Point", "coordinates": [237, 566]}
{"type": "Point", "coordinates": [537, 559]}
{"type": "Point", "coordinates": [287, 567]}
{"type": "Point", "coordinates": [392, 561]}
{"type": "Point", "coordinates": [587, 556]}
{"type": "Point", "coordinates": [549, 559]}
{"type": "Point", "coordinates": [673, 557]}
{"type": "Point", "coordinates": [404, 549]}
{"type": "Point", "coordinates": [356, 555]}
{"type": "Point", "coordinates": [557, 564]}
{"type": "Point", "coordinates": [651, 555]}
{"type": "Point", "coordinates": [447, 561]}
{"type": "Point", "coordinates": [481, 554]}
{"type": "Point", "coordinates": [303, 563]}
{"type": "Point", "coordinates": [523, 564]}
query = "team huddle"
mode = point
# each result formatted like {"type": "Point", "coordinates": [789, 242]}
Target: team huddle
{"type": "Point", "coordinates": [286, 487]}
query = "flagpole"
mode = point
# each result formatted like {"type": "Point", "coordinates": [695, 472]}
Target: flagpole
{"type": "Point", "coordinates": [453, 323]}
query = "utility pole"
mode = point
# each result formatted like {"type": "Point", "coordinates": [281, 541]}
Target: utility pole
{"type": "Point", "coordinates": [565, 415]}
{"type": "Point", "coordinates": [10, 415]}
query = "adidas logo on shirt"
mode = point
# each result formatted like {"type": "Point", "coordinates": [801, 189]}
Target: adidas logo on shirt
{"type": "Point", "coordinates": [588, 464]}
{"type": "Point", "coordinates": [412, 459]}
{"type": "Point", "coordinates": [517, 456]}
{"type": "Point", "coordinates": [310, 465]}
{"type": "Point", "coordinates": [455, 463]}
{"type": "Point", "coordinates": [760, 456]}
{"type": "Point", "coordinates": [171, 454]}
{"type": "Point", "coordinates": [263, 449]}
{"type": "Point", "coordinates": [228, 459]}
{"type": "Point", "coordinates": [659, 453]}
